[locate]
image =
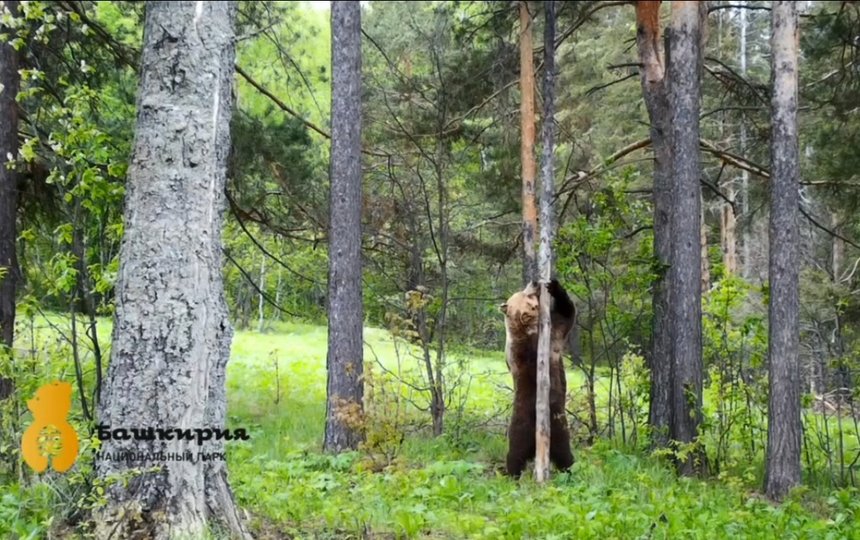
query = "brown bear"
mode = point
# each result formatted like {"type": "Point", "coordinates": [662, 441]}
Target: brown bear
{"type": "Point", "coordinates": [521, 326]}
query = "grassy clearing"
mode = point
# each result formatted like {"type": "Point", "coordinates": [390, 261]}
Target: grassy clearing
{"type": "Point", "coordinates": [452, 487]}
{"type": "Point", "coordinates": [449, 487]}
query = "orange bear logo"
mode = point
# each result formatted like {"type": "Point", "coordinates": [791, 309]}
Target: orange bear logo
{"type": "Point", "coordinates": [50, 407]}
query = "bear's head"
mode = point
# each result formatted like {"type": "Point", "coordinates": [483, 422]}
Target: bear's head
{"type": "Point", "coordinates": [521, 311]}
{"type": "Point", "coordinates": [52, 403]}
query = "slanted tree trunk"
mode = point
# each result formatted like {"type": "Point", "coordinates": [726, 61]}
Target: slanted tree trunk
{"type": "Point", "coordinates": [527, 143]}
{"type": "Point", "coordinates": [9, 82]}
{"type": "Point", "coordinates": [686, 271]}
{"type": "Point", "coordinates": [542, 411]}
{"type": "Point", "coordinates": [652, 76]}
{"type": "Point", "coordinates": [171, 338]}
{"type": "Point", "coordinates": [345, 389]}
{"type": "Point", "coordinates": [784, 425]}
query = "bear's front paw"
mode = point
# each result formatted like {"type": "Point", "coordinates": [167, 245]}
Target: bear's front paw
{"type": "Point", "coordinates": [554, 287]}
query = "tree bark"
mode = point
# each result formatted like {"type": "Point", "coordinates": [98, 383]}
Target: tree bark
{"type": "Point", "coordinates": [9, 83]}
{"type": "Point", "coordinates": [652, 76]}
{"type": "Point", "coordinates": [527, 143]}
{"type": "Point", "coordinates": [260, 301]}
{"type": "Point", "coordinates": [784, 425]}
{"type": "Point", "coordinates": [728, 228]}
{"type": "Point", "coordinates": [171, 339]}
{"type": "Point", "coordinates": [706, 266]}
{"type": "Point", "coordinates": [542, 410]}
{"type": "Point", "coordinates": [686, 271]}
{"type": "Point", "coordinates": [746, 223]}
{"type": "Point", "coordinates": [345, 390]}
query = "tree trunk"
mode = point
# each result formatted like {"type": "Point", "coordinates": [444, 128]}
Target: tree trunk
{"type": "Point", "coordinates": [345, 390]}
{"type": "Point", "coordinates": [686, 271]}
{"type": "Point", "coordinates": [745, 177]}
{"type": "Point", "coordinates": [706, 266]}
{"type": "Point", "coordinates": [527, 143]}
{"type": "Point", "coordinates": [542, 411]}
{"type": "Point", "coordinates": [650, 45]}
{"type": "Point", "coordinates": [260, 302]}
{"type": "Point", "coordinates": [728, 228]}
{"type": "Point", "coordinates": [171, 338]}
{"type": "Point", "coordinates": [783, 433]}
{"type": "Point", "coordinates": [9, 82]}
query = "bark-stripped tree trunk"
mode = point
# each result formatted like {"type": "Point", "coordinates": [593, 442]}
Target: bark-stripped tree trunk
{"type": "Point", "coordinates": [9, 82]}
{"type": "Point", "coordinates": [345, 390]}
{"type": "Point", "coordinates": [783, 433]}
{"type": "Point", "coordinates": [686, 271]}
{"type": "Point", "coordinates": [171, 339]}
{"type": "Point", "coordinates": [542, 412]}
{"type": "Point", "coordinates": [527, 143]}
{"type": "Point", "coordinates": [650, 45]}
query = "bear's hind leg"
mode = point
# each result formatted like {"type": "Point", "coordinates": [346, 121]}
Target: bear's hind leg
{"type": "Point", "coordinates": [521, 443]}
{"type": "Point", "coordinates": [559, 443]}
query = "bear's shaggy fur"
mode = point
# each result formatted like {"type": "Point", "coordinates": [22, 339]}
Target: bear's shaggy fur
{"type": "Point", "coordinates": [521, 326]}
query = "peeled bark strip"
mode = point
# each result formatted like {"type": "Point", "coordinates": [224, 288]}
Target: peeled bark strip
{"type": "Point", "coordinates": [171, 339]}
{"type": "Point", "coordinates": [784, 425]}
{"type": "Point", "coordinates": [650, 45]}
{"type": "Point", "coordinates": [686, 271]}
{"type": "Point", "coordinates": [344, 406]}
{"type": "Point", "coordinates": [542, 410]}
{"type": "Point", "coordinates": [9, 82]}
{"type": "Point", "coordinates": [527, 143]}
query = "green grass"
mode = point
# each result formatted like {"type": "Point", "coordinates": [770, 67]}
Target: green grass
{"type": "Point", "coordinates": [424, 487]}
{"type": "Point", "coordinates": [452, 487]}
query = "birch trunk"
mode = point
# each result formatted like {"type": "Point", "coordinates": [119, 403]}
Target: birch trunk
{"type": "Point", "coordinates": [784, 424]}
{"type": "Point", "coordinates": [527, 143]}
{"type": "Point", "coordinates": [746, 224]}
{"type": "Point", "coordinates": [652, 76]}
{"type": "Point", "coordinates": [542, 411]}
{"type": "Point", "coordinates": [9, 82]}
{"type": "Point", "coordinates": [345, 386]}
{"type": "Point", "coordinates": [171, 338]}
{"type": "Point", "coordinates": [686, 271]}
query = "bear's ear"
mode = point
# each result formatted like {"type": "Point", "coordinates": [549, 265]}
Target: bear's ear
{"type": "Point", "coordinates": [503, 308]}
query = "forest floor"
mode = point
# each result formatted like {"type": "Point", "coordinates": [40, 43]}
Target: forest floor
{"type": "Point", "coordinates": [407, 484]}
{"type": "Point", "coordinates": [452, 486]}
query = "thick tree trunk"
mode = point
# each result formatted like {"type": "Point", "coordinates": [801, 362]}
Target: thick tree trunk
{"type": "Point", "coordinates": [686, 271]}
{"type": "Point", "coordinates": [527, 143]}
{"type": "Point", "coordinates": [344, 405]}
{"type": "Point", "coordinates": [652, 76]}
{"type": "Point", "coordinates": [171, 339]}
{"type": "Point", "coordinates": [783, 433]}
{"type": "Point", "coordinates": [9, 82]}
{"type": "Point", "coordinates": [542, 410]}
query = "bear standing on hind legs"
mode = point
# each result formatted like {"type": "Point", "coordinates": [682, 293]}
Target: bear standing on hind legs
{"type": "Point", "coordinates": [521, 344]}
